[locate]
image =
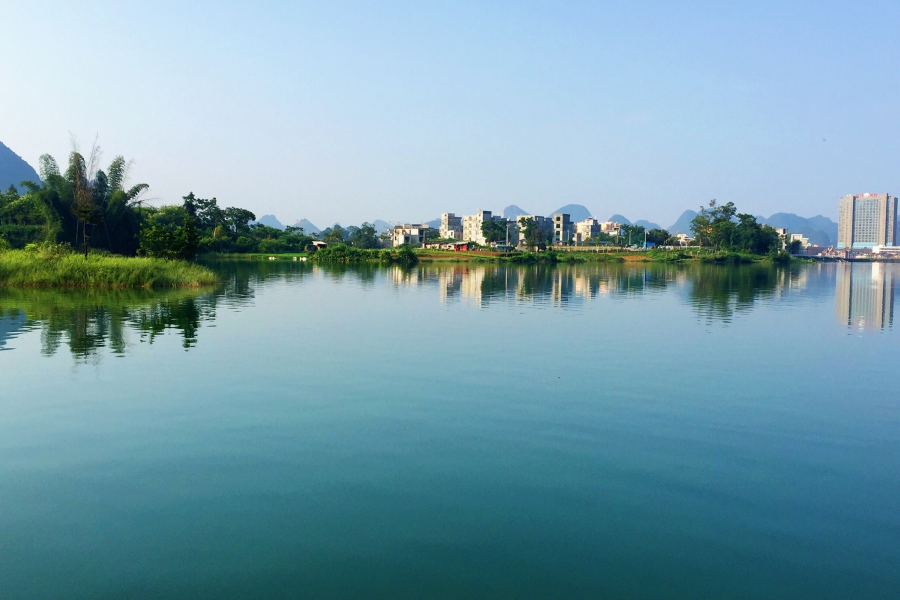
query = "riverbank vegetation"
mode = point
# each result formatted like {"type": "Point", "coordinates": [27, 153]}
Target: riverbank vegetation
{"type": "Point", "coordinates": [46, 266]}
{"type": "Point", "coordinates": [342, 253]}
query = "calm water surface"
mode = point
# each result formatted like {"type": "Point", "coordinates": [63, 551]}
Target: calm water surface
{"type": "Point", "coordinates": [457, 431]}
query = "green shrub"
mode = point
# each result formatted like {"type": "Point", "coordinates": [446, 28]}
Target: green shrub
{"type": "Point", "coordinates": [727, 258]}
{"type": "Point", "coordinates": [344, 253]}
{"type": "Point", "coordinates": [406, 257]}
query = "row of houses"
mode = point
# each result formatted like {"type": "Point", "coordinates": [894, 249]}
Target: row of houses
{"type": "Point", "coordinates": [460, 232]}
{"type": "Point", "coordinates": [558, 229]}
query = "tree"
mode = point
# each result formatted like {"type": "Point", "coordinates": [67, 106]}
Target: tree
{"type": "Point", "coordinates": [534, 235]}
{"type": "Point", "coordinates": [494, 230]}
{"type": "Point", "coordinates": [630, 235]}
{"type": "Point", "coordinates": [170, 233]}
{"type": "Point", "coordinates": [237, 220]}
{"type": "Point", "coordinates": [364, 237]}
{"type": "Point", "coordinates": [713, 225]}
{"type": "Point", "coordinates": [84, 206]}
{"type": "Point", "coordinates": [334, 235]}
{"type": "Point", "coordinates": [658, 237]}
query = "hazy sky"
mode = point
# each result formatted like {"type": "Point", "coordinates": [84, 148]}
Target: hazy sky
{"type": "Point", "coordinates": [352, 111]}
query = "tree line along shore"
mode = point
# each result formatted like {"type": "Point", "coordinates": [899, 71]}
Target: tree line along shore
{"type": "Point", "coordinates": [86, 226]}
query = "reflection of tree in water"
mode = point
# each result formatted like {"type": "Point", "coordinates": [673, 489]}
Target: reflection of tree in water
{"type": "Point", "coordinates": [12, 323]}
{"type": "Point", "coordinates": [719, 292]}
{"type": "Point", "coordinates": [89, 320]}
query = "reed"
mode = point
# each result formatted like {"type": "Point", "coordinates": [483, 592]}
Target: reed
{"type": "Point", "coordinates": [64, 269]}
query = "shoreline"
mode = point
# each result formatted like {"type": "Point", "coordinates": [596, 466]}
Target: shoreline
{"type": "Point", "coordinates": [546, 257]}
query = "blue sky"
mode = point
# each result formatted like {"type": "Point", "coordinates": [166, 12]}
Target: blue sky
{"type": "Point", "coordinates": [352, 111]}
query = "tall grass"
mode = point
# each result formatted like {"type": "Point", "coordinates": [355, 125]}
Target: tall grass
{"type": "Point", "coordinates": [62, 269]}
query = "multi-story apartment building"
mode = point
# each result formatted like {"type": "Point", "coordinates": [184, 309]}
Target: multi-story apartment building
{"type": "Point", "coordinates": [414, 235]}
{"type": "Point", "coordinates": [611, 227]}
{"type": "Point", "coordinates": [563, 228]}
{"type": "Point", "coordinates": [867, 220]}
{"type": "Point", "coordinates": [545, 224]}
{"type": "Point", "coordinates": [584, 230]}
{"type": "Point", "coordinates": [472, 227]}
{"type": "Point", "coordinates": [451, 227]}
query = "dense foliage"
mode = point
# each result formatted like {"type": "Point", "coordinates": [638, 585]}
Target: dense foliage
{"type": "Point", "coordinates": [721, 227]}
{"type": "Point", "coordinates": [495, 230]}
{"type": "Point", "coordinates": [92, 208]}
{"type": "Point", "coordinates": [343, 253]}
{"type": "Point", "coordinates": [534, 235]}
{"type": "Point", "coordinates": [84, 206]}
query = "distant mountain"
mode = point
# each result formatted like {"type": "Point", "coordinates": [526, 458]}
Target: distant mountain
{"type": "Point", "coordinates": [270, 221]}
{"type": "Point", "coordinates": [620, 220]}
{"type": "Point", "coordinates": [14, 170]}
{"type": "Point", "coordinates": [512, 211]}
{"type": "Point", "coordinates": [820, 230]}
{"type": "Point", "coordinates": [576, 212]}
{"type": "Point", "coordinates": [648, 225]}
{"type": "Point", "coordinates": [308, 228]}
{"type": "Point", "coordinates": [381, 226]}
{"type": "Point", "coordinates": [434, 224]}
{"type": "Point", "coordinates": [683, 224]}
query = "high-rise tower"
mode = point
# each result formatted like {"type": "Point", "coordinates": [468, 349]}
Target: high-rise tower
{"type": "Point", "coordinates": [867, 220]}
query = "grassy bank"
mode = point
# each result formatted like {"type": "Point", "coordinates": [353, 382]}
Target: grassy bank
{"type": "Point", "coordinates": [61, 269]}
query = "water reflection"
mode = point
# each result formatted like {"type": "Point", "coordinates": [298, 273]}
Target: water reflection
{"type": "Point", "coordinates": [864, 295]}
{"type": "Point", "coordinates": [86, 321]}
{"type": "Point", "coordinates": [717, 293]}
{"type": "Point", "coordinates": [481, 285]}
{"type": "Point", "coordinates": [11, 325]}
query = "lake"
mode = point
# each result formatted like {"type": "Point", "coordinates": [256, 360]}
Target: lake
{"type": "Point", "coordinates": [455, 431]}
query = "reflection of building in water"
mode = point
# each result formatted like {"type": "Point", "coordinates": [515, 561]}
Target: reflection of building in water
{"type": "Point", "coordinates": [406, 277]}
{"type": "Point", "coordinates": [471, 285]}
{"type": "Point", "coordinates": [450, 281]}
{"type": "Point", "coordinates": [569, 284]}
{"type": "Point", "coordinates": [864, 295]}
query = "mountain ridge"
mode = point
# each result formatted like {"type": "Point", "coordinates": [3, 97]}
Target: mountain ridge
{"type": "Point", "coordinates": [271, 221]}
{"type": "Point", "coordinates": [14, 170]}
{"type": "Point", "coordinates": [576, 212]}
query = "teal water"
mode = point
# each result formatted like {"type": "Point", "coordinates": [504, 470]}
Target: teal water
{"type": "Point", "coordinates": [467, 431]}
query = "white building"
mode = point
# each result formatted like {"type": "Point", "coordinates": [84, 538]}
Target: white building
{"type": "Point", "coordinates": [611, 227]}
{"type": "Point", "coordinates": [413, 235]}
{"type": "Point", "coordinates": [867, 220]}
{"type": "Point", "coordinates": [584, 230]}
{"type": "Point", "coordinates": [472, 227]}
{"type": "Point", "coordinates": [783, 236]}
{"type": "Point", "coordinates": [451, 227]}
{"type": "Point", "coordinates": [798, 237]}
